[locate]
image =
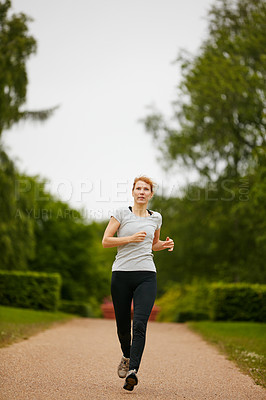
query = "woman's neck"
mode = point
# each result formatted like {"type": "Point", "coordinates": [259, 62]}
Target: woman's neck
{"type": "Point", "coordinates": [140, 210]}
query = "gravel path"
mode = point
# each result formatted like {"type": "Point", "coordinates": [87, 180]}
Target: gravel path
{"type": "Point", "coordinates": [78, 360]}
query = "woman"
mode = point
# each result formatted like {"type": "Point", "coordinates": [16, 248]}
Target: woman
{"type": "Point", "coordinates": [134, 273]}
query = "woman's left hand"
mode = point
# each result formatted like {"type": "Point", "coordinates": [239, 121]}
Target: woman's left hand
{"type": "Point", "coordinates": [168, 244]}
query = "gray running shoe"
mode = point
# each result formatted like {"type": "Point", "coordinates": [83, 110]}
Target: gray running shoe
{"type": "Point", "coordinates": [123, 367]}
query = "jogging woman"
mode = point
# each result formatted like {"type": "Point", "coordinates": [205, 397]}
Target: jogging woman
{"type": "Point", "coordinates": [134, 273]}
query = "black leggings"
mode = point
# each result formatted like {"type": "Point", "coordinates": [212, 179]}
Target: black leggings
{"type": "Point", "coordinates": [141, 286]}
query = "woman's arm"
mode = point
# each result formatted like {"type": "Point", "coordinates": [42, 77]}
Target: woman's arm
{"type": "Point", "coordinates": [110, 241]}
{"type": "Point", "coordinates": [158, 244]}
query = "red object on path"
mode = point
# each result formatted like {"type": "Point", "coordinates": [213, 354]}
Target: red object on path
{"type": "Point", "coordinates": [109, 312]}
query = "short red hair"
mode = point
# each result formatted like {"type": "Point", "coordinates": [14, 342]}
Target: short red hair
{"type": "Point", "coordinates": [145, 179]}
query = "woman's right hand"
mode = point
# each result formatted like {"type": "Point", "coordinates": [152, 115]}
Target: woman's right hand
{"type": "Point", "coordinates": [138, 237]}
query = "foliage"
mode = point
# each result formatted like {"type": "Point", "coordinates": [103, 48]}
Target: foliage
{"type": "Point", "coordinates": [30, 290]}
{"type": "Point", "coordinates": [219, 122]}
{"type": "Point", "coordinates": [17, 236]}
{"type": "Point", "coordinates": [184, 302]}
{"type": "Point", "coordinates": [168, 304]}
{"type": "Point", "coordinates": [16, 46]}
{"type": "Point", "coordinates": [74, 307]}
{"type": "Point", "coordinates": [238, 302]}
{"type": "Point", "coordinates": [216, 301]}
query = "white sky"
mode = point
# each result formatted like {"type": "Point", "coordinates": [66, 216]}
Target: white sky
{"type": "Point", "coordinates": [103, 62]}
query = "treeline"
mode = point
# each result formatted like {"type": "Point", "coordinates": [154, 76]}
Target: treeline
{"type": "Point", "coordinates": [219, 234]}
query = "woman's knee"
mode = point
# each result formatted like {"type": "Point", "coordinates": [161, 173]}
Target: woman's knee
{"type": "Point", "coordinates": [139, 327]}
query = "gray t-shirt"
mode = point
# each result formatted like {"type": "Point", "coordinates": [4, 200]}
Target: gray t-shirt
{"type": "Point", "coordinates": [135, 256]}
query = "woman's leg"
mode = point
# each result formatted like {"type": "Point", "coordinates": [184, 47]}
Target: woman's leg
{"type": "Point", "coordinates": [122, 295]}
{"type": "Point", "coordinates": [144, 297]}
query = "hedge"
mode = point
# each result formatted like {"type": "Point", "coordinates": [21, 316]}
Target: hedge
{"type": "Point", "coordinates": [237, 302]}
{"type": "Point", "coordinates": [215, 301]}
{"type": "Point", "coordinates": [78, 308]}
{"type": "Point", "coordinates": [35, 290]}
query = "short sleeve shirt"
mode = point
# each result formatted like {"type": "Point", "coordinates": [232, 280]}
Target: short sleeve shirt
{"type": "Point", "coordinates": [135, 256]}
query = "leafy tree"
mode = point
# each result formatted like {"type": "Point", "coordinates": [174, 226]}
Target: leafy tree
{"type": "Point", "coordinates": [219, 120]}
{"type": "Point", "coordinates": [16, 45]}
{"type": "Point", "coordinates": [17, 231]}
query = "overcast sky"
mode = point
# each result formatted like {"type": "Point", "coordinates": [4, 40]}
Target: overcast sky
{"type": "Point", "coordinates": [104, 62]}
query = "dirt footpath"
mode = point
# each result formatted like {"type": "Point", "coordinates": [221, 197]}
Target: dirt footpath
{"type": "Point", "coordinates": [78, 360]}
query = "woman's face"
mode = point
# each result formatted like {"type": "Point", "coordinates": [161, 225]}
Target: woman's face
{"type": "Point", "coordinates": [142, 192]}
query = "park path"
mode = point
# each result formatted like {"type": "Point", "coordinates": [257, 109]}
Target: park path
{"type": "Point", "coordinates": [78, 360]}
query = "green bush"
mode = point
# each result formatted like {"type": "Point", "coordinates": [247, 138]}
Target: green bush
{"type": "Point", "coordinates": [168, 304]}
{"type": "Point", "coordinates": [89, 309]}
{"type": "Point", "coordinates": [78, 308]}
{"type": "Point", "coordinates": [35, 290]}
{"type": "Point", "coordinates": [237, 302]}
{"type": "Point", "coordinates": [191, 315]}
{"type": "Point", "coordinates": [184, 303]}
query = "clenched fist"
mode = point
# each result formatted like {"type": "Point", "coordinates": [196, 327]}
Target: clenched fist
{"type": "Point", "coordinates": [138, 237]}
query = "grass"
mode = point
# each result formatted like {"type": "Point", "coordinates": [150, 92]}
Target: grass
{"type": "Point", "coordinates": [18, 324]}
{"type": "Point", "coordinates": [242, 342]}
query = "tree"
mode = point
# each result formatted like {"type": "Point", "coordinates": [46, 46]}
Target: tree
{"type": "Point", "coordinates": [16, 45]}
{"type": "Point", "coordinates": [17, 241]}
{"type": "Point", "coordinates": [219, 122]}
